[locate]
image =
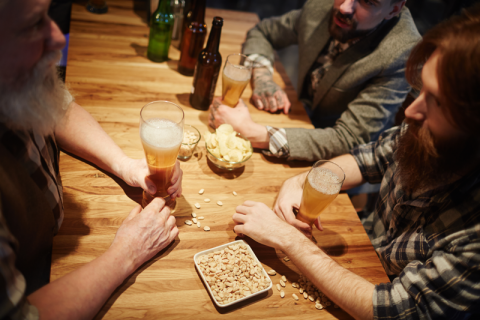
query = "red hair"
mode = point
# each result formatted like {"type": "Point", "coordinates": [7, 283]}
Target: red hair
{"type": "Point", "coordinates": [458, 69]}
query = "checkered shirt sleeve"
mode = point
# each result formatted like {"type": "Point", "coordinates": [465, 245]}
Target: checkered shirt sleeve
{"type": "Point", "coordinates": [431, 242]}
{"type": "Point", "coordinates": [278, 145]}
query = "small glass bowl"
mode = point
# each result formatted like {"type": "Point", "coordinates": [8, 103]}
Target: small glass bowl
{"type": "Point", "coordinates": [187, 149]}
{"type": "Point", "coordinates": [228, 165]}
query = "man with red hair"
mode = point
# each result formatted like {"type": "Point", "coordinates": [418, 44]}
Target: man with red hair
{"type": "Point", "coordinates": [426, 224]}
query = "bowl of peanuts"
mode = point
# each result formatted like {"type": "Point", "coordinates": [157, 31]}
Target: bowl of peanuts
{"type": "Point", "coordinates": [191, 137]}
{"type": "Point", "coordinates": [232, 273]}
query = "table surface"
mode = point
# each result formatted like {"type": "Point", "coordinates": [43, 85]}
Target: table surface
{"type": "Point", "coordinates": [110, 76]}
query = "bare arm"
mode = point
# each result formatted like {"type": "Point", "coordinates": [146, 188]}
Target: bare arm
{"type": "Point", "coordinates": [81, 293]}
{"type": "Point", "coordinates": [290, 194]}
{"type": "Point", "coordinates": [80, 134]}
{"type": "Point", "coordinates": [351, 292]}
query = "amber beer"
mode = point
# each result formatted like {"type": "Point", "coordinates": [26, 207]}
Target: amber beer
{"type": "Point", "coordinates": [161, 134]}
{"type": "Point", "coordinates": [322, 185]}
{"type": "Point", "coordinates": [235, 77]}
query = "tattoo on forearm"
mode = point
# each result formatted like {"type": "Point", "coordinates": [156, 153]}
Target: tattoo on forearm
{"type": "Point", "coordinates": [263, 83]}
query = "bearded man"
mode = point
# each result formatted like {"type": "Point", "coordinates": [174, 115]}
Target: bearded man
{"type": "Point", "coordinates": [426, 224]}
{"type": "Point", "coordinates": [351, 67]}
{"type": "Point", "coordinates": [38, 117]}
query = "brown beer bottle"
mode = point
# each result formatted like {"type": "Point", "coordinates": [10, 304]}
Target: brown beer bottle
{"type": "Point", "coordinates": [193, 40]}
{"type": "Point", "coordinates": [207, 69]}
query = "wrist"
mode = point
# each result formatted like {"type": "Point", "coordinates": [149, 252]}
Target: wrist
{"type": "Point", "coordinates": [122, 262]}
{"type": "Point", "coordinates": [290, 239]}
{"type": "Point", "coordinates": [118, 167]}
{"type": "Point", "coordinates": [258, 136]}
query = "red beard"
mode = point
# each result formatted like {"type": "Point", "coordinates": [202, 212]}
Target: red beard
{"type": "Point", "coordinates": [424, 163]}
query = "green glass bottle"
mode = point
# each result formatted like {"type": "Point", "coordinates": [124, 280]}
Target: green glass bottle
{"type": "Point", "coordinates": [161, 26]}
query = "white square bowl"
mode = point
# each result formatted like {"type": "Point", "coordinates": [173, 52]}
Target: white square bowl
{"type": "Point", "coordinates": [202, 253]}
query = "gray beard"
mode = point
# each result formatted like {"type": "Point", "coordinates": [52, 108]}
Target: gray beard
{"type": "Point", "coordinates": [37, 101]}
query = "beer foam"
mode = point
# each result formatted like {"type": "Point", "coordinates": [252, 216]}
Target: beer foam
{"type": "Point", "coordinates": [161, 133]}
{"type": "Point", "coordinates": [324, 181]}
{"type": "Point", "coordinates": [237, 73]}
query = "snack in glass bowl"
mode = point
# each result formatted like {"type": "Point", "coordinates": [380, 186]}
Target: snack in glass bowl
{"type": "Point", "coordinates": [191, 137]}
{"type": "Point", "coordinates": [226, 148]}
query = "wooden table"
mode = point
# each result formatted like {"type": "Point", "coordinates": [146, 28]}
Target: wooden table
{"type": "Point", "coordinates": [111, 77]}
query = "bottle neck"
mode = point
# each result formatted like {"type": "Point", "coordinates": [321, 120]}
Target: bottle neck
{"type": "Point", "coordinates": [199, 11]}
{"type": "Point", "coordinates": [214, 39]}
{"type": "Point", "coordinates": [164, 6]}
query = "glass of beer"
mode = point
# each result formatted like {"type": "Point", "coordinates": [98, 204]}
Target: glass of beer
{"type": "Point", "coordinates": [235, 77]}
{"type": "Point", "coordinates": [322, 185]}
{"type": "Point", "coordinates": [161, 133]}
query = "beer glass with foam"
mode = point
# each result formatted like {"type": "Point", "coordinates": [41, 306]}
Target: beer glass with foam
{"type": "Point", "coordinates": [161, 133]}
{"type": "Point", "coordinates": [235, 77]}
{"type": "Point", "coordinates": [322, 185]}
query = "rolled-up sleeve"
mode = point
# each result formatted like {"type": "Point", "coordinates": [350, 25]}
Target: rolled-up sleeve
{"type": "Point", "coordinates": [374, 158]}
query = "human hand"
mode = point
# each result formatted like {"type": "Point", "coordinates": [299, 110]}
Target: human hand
{"type": "Point", "coordinates": [241, 121]}
{"type": "Point", "coordinates": [267, 95]}
{"type": "Point", "coordinates": [136, 174]}
{"type": "Point", "coordinates": [260, 223]}
{"type": "Point", "coordinates": [239, 116]}
{"type": "Point", "coordinates": [144, 233]}
{"type": "Point", "coordinates": [288, 199]}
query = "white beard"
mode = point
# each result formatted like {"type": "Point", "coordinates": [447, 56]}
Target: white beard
{"type": "Point", "coordinates": [37, 101]}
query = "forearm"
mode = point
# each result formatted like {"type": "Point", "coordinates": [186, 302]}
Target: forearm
{"type": "Point", "coordinates": [353, 175]}
{"type": "Point", "coordinates": [258, 136]}
{"type": "Point", "coordinates": [80, 134]}
{"type": "Point", "coordinates": [81, 293]}
{"type": "Point", "coordinates": [348, 290]}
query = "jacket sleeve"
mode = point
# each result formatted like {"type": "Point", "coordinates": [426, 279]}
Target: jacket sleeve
{"type": "Point", "coordinates": [272, 34]}
{"type": "Point", "coordinates": [371, 112]}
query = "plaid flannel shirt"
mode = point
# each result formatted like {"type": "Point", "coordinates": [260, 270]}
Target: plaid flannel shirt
{"type": "Point", "coordinates": [430, 243]}
{"type": "Point", "coordinates": [37, 154]}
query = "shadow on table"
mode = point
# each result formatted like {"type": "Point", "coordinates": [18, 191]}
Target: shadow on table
{"type": "Point", "coordinates": [184, 100]}
{"type": "Point", "coordinates": [225, 174]}
{"type": "Point", "coordinates": [290, 164]}
{"type": "Point", "coordinates": [129, 281]}
{"type": "Point", "coordinates": [331, 242]}
{"type": "Point", "coordinates": [140, 50]}
{"type": "Point", "coordinates": [72, 225]}
{"type": "Point", "coordinates": [173, 65]}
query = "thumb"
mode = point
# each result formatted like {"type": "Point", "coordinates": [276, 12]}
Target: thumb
{"type": "Point", "coordinates": [149, 186]}
{"type": "Point", "coordinates": [318, 223]}
{"type": "Point", "coordinates": [134, 213]}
